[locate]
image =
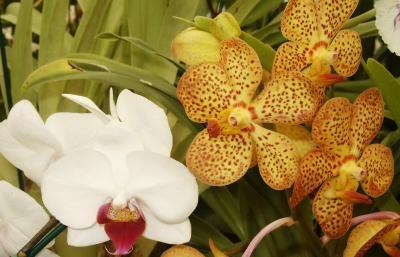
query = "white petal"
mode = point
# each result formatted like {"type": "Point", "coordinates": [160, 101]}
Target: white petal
{"type": "Point", "coordinates": [148, 119]}
{"type": "Point", "coordinates": [116, 142]}
{"type": "Point", "coordinates": [89, 236]}
{"type": "Point", "coordinates": [388, 23]}
{"type": "Point", "coordinates": [162, 184]}
{"type": "Point", "coordinates": [25, 141]}
{"type": "Point", "coordinates": [21, 216]}
{"type": "Point", "coordinates": [3, 252]}
{"type": "Point", "coordinates": [157, 230]}
{"type": "Point", "coordinates": [74, 129]}
{"type": "Point", "coordinates": [47, 253]}
{"type": "Point", "coordinates": [76, 186]}
{"type": "Point", "coordinates": [88, 105]}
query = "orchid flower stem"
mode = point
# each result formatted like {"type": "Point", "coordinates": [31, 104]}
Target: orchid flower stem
{"type": "Point", "coordinates": [288, 221]}
{"type": "Point", "coordinates": [46, 240]}
{"type": "Point", "coordinates": [7, 82]}
{"type": "Point", "coordinates": [52, 223]}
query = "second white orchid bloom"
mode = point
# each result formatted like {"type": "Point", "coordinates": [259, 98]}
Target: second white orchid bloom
{"type": "Point", "coordinates": [125, 185]}
{"type": "Point", "coordinates": [21, 217]}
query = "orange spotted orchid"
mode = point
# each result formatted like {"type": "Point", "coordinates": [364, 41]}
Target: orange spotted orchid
{"type": "Point", "coordinates": [344, 159]}
{"type": "Point", "coordinates": [386, 232]}
{"type": "Point", "coordinates": [316, 43]}
{"type": "Point", "coordinates": [223, 94]}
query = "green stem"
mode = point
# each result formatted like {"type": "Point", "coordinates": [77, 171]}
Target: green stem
{"type": "Point", "coordinates": [391, 138]}
{"type": "Point", "coordinates": [360, 19]}
{"type": "Point", "coordinates": [46, 240]}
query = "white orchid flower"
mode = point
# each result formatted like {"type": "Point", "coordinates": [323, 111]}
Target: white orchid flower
{"type": "Point", "coordinates": [21, 217]}
{"type": "Point", "coordinates": [388, 23]}
{"type": "Point", "coordinates": [125, 185]}
{"type": "Point", "coordinates": [31, 145]}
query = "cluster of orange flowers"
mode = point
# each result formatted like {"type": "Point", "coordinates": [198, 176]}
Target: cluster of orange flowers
{"type": "Point", "coordinates": [226, 87]}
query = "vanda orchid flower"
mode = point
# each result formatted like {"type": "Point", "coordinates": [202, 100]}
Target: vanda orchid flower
{"type": "Point", "coordinates": [187, 251]}
{"type": "Point", "coordinates": [223, 94]}
{"type": "Point", "coordinates": [386, 232]}
{"type": "Point", "coordinates": [31, 145]}
{"type": "Point", "coordinates": [316, 43]}
{"type": "Point", "coordinates": [344, 159]}
{"type": "Point", "coordinates": [21, 217]}
{"type": "Point", "coordinates": [388, 23]}
{"type": "Point", "coordinates": [119, 188]}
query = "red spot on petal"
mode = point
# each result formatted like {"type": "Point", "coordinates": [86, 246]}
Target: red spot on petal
{"type": "Point", "coordinates": [123, 226]}
{"type": "Point", "coordinates": [330, 79]}
{"type": "Point", "coordinates": [213, 128]}
{"type": "Point", "coordinates": [355, 197]}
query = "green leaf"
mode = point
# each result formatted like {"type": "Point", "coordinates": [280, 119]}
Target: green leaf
{"type": "Point", "coordinates": [222, 202]}
{"type": "Point", "coordinates": [21, 52]}
{"type": "Point", "coordinates": [387, 202]}
{"type": "Point", "coordinates": [366, 29]}
{"type": "Point", "coordinates": [389, 86]}
{"type": "Point", "coordinates": [11, 15]}
{"type": "Point", "coordinates": [242, 8]}
{"type": "Point", "coordinates": [202, 231]}
{"type": "Point", "coordinates": [262, 9]}
{"type": "Point", "coordinates": [8, 172]}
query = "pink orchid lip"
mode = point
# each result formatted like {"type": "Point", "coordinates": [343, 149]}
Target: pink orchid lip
{"type": "Point", "coordinates": [123, 226]}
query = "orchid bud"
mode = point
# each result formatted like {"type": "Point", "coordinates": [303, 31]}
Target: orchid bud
{"type": "Point", "coordinates": [225, 26]}
{"type": "Point", "coordinates": [193, 46]}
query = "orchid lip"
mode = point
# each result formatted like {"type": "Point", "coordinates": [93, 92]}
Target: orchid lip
{"type": "Point", "coordinates": [124, 226]}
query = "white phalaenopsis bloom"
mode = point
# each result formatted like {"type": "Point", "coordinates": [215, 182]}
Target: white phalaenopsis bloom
{"type": "Point", "coordinates": [125, 184]}
{"type": "Point", "coordinates": [21, 217]}
{"type": "Point", "coordinates": [388, 23]}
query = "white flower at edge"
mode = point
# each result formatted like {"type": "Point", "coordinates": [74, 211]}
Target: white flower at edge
{"type": "Point", "coordinates": [21, 217]}
{"type": "Point", "coordinates": [388, 23]}
{"type": "Point", "coordinates": [125, 185]}
{"type": "Point", "coordinates": [31, 145]}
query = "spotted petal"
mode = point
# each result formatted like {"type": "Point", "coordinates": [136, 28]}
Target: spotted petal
{"type": "Point", "coordinates": [333, 14]}
{"type": "Point", "coordinates": [182, 251]}
{"type": "Point", "coordinates": [287, 99]}
{"type": "Point", "coordinates": [290, 56]}
{"type": "Point", "coordinates": [367, 119]}
{"type": "Point", "coordinates": [219, 160]}
{"type": "Point", "coordinates": [365, 235]}
{"type": "Point", "coordinates": [204, 91]}
{"type": "Point", "coordinates": [277, 158]}
{"type": "Point", "coordinates": [331, 126]}
{"type": "Point", "coordinates": [378, 164]}
{"type": "Point", "coordinates": [333, 215]}
{"type": "Point", "coordinates": [242, 66]}
{"type": "Point", "coordinates": [347, 46]}
{"type": "Point", "coordinates": [316, 167]}
{"type": "Point", "coordinates": [299, 21]}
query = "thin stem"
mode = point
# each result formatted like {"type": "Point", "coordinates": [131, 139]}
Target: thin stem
{"type": "Point", "coordinates": [288, 221]}
{"type": "Point", "coordinates": [46, 240]}
{"type": "Point", "coordinates": [52, 223]}
{"type": "Point", "coordinates": [7, 82]}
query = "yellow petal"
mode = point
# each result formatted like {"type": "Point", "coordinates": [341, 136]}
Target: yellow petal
{"type": "Point", "coordinates": [220, 160]}
{"type": "Point", "coordinates": [347, 47]}
{"type": "Point", "coordinates": [225, 26]}
{"type": "Point", "coordinates": [299, 21]}
{"type": "Point", "coordinates": [333, 215]}
{"type": "Point", "coordinates": [193, 46]}
{"type": "Point", "coordinates": [215, 250]}
{"type": "Point", "coordinates": [316, 167]}
{"type": "Point", "coordinates": [204, 91]}
{"type": "Point", "coordinates": [277, 158]}
{"type": "Point", "coordinates": [378, 164]}
{"type": "Point", "coordinates": [331, 125]}
{"type": "Point", "coordinates": [368, 114]}
{"type": "Point", "coordinates": [299, 135]}
{"type": "Point", "coordinates": [365, 235]}
{"type": "Point", "coordinates": [333, 14]}
{"type": "Point", "coordinates": [288, 98]}
{"type": "Point", "coordinates": [182, 251]}
{"type": "Point", "coordinates": [243, 68]}
{"type": "Point", "coordinates": [290, 56]}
